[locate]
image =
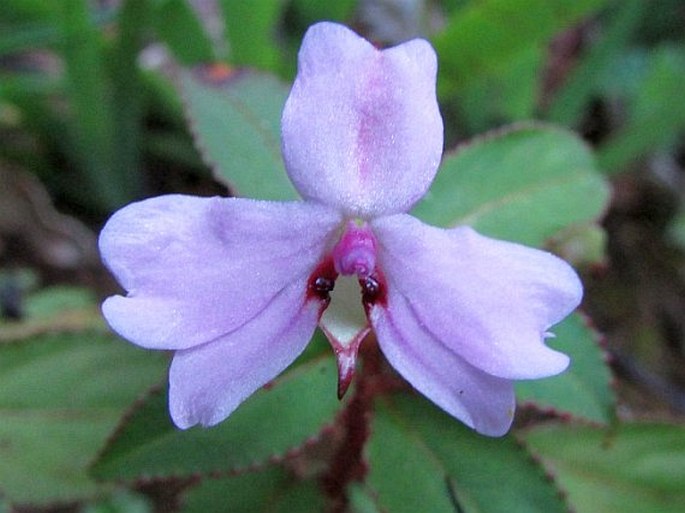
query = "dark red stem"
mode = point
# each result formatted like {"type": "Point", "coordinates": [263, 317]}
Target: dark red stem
{"type": "Point", "coordinates": [347, 464]}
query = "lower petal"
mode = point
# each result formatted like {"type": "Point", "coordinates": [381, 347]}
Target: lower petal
{"type": "Point", "coordinates": [198, 268]}
{"type": "Point", "coordinates": [491, 302]}
{"type": "Point", "coordinates": [207, 383]}
{"type": "Point", "coordinates": [483, 402]}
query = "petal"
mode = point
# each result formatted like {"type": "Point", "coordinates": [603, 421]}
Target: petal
{"type": "Point", "coordinates": [361, 129]}
{"type": "Point", "coordinates": [198, 268]}
{"type": "Point", "coordinates": [491, 302]}
{"type": "Point", "coordinates": [208, 382]}
{"type": "Point", "coordinates": [481, 401]}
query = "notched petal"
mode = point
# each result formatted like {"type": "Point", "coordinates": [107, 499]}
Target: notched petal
{"type": "Point", "coordinates": [361, 128]}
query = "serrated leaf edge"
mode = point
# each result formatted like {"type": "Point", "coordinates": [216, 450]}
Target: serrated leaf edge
{"type": "Point", "coordinates": [177, 80]}
{"type": "Point", "coordinates": [600, 341]}
{"type": "Point", "coordinates": [273, 459]}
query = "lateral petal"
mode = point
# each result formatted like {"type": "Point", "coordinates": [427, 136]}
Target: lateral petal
{"type": "Point", "coordinates": [361, 129]}
{"type": "Point", "coordinates": [489, 301]}
{"type": "Point", "coordinates": [199, 268]}
{"type": "Point", "coordinates": [481, 401]}
{"type": "Point", "coordinates": [208, 382]}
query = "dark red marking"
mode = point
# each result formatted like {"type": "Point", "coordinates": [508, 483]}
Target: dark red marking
{"type": "Point", "coordinates": [374, 290]}
{"type": "Point", "coordinates": [322, 281]}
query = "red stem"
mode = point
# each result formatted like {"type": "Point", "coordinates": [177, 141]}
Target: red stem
{"type": "Point", "coordinates": [347, 464]}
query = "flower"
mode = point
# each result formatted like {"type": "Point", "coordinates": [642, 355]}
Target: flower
{"type": "Point", "coordinates": [236, 287]}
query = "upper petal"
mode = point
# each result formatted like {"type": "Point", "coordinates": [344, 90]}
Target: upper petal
{"type": "Point", "coordinates": [361, 128]}
{"type": "Point", "coordinates": [198, 268]}
{"type": "Point", "coordinates": [489, 301]}
{"type": "Point", "coordinates": [481, 401]}
{"type": "Point", "coordinates": [208, 382]}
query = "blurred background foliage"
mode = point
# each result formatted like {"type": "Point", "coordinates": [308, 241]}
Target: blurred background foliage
{"type": "Point", "coordinates": [94, 102]}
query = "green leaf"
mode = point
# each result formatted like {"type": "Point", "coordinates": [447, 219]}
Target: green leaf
{"type": "Point", "coordinates": [251, 29]}
{"type": "Point", "coordinates": [120, 501]}
{"type": "Point", "coordinates": [178, 26]}
{"type": "Point", "coordinates": [127, 93]}
{"type": "Point", "coordinates": [55, 301]}
{"type": "Point", "coordinates": [50, 310]}
{"type": "Point", "coordinates": [31, 30]}
{"type": "Point", "coordinates": [27, 24]}
{"type": "Point", "coordinates": [580, 244]}
{"type": "Point", "coordinates": [275, 420]}
{"type": "Point", "coordinates": [508, 94]}
{"type": "Point", "coordinates": [91, 123]}
{"type": "Point", "coordinates": [28, 36]}
{"type": "Point", "coordinates": [14, 11]}
{"type": "Point", "coordinates": [60, 396]}
{"type": "Point", "coordinates": [308, 12]}
{"type": "Point", "coordinates": [236, 123]}
{"type": "Point", "coordinates": [572, 98]}
{"type": "Point", "coordinates": [524, 185]}
{"type": "Point", "coordinates": [486, 34]}
{"type": "Point", "coordinates": [361, 499]}
{"type": "Point", "coordinates": [657, 113]}
{"type": "Point", "coordinates": [271, 490]}
{"type": "Point", "coordinates": [636, 468]}
{"type": "Point", "coordinates": [676, 230]}
{"type": "Point", "coordinates": [423, 460]}
{"type": "Point", "coordinates": [584, 390]}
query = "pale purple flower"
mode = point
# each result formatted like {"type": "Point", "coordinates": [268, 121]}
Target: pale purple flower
{"type": "Point", "coordinates": [236, 287]}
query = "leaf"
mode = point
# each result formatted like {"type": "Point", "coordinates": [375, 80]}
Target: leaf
{"type": "Point", "coordinates": [507, 95]}
{"type": "Point", "coordinates": [52, 309]}
{"type": "Point", "coordinates": [584, 390]}
{"type": "Point", "coordinates": [483, 35]}
{"type": "Point", "coordinates": [251, 29]}
{"type": "Point", "coordinates": [277, 419]}
{"type": "Point", "coordinates": [127, 92]}
{"type": "Point", "coordinates": [27, 25]}
{"type": "Point", "coordinates": [120, 501]}
{"type": "Point", "coordinates": [676, 230]}
{"type": "Point", "coordinates": [60, 395]}
{"type": "Point", "coordinates": [423, 460]}
{"type": "Point", "coordinates": [580, 244]}
{"type": "Point", "coordinates": [54, 301]}
{"type": "Point", "coordinates": [636, 468]}
{"type": "Point", "coordinates": [178, 26]}
{"type": "Point", "coordinates": [308, 12]}
{"type": "Point", "coordinates": [572, 98]}
{"type": "Point", "coordinates": [21, 10]}
{"type": "Point", "coordinates": [236, 122]}
{"type": "Point", "coordinates": [525, 185]}
{"type": "Point", "coordinates": [361, 499]}
{"type": "Point", "coordinates": [272, 490]}
{"type": "Point", "coordinates": [657, 113]}
{"type": "Point", "coordinates": [90, 124]}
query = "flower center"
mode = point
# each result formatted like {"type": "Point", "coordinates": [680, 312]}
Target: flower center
{"type": "Point", "coordinates": [353, 255]}
{"type": "Point", "coordinates": [350, 268]}
{"type": "Point", "coordinates": [355, 252]}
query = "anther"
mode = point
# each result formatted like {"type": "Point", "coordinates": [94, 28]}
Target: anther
{"type": "Point", "coordinates": [322, 281]}
{"type": "Point", "coordinates": [371, 289]}
{"type": "Point", "coordinates": [323, 285]}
